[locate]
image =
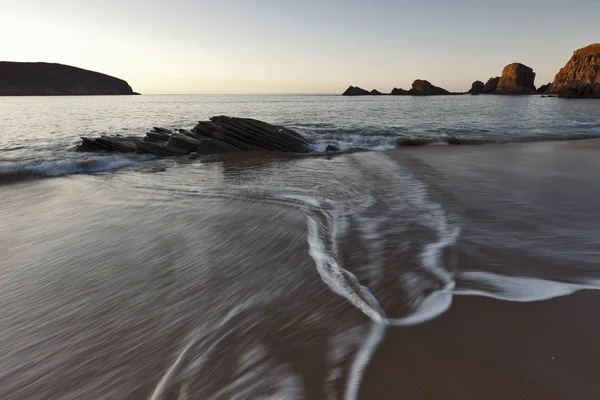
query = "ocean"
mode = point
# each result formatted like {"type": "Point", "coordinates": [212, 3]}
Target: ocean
{"type": "Point", "coordinates": [440, 271]}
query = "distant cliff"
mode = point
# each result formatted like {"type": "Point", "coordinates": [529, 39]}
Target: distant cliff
{"type": "Point", "coordinates": [45, 79]}
{"type": "Point", "coordinates": [581, 76]}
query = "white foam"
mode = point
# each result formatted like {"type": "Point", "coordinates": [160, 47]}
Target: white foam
{"type": "Point", "coordinates": [363, 357]}
{"type": "Point", "coordinates": [337, 278]}
{"type": "Point", "coordinates": [69, 166]}
{"type": "Point", "coordinates": [519, 288]}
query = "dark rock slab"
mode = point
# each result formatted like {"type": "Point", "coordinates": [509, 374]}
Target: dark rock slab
{"type": "Point", "coordinates": [219, 135]}
{"type": "Point", "coordinates": [375, 92]}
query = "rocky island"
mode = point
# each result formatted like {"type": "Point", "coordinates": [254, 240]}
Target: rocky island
{"type": "Point", "coordinates": [580, 77]}
{"type": "Point", "coordinates": [420, 87]}
{"type": "Point", "coordinates": [47, 79]}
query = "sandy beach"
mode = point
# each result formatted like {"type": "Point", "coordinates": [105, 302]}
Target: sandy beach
{"type": "Point", "coordinates": [456, 272]}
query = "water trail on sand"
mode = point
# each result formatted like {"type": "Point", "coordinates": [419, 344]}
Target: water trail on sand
{"type": "Point", "coordinates": [391, 188]}
{"type": "Point", "coordinates": [518, 288]}
{"type": "Point", "coordinates": [363, 357]}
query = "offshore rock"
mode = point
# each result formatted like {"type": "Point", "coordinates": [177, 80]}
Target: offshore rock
{"type": "Point", "coordinates": [491, 85]}
{"type": "Point", "coordinates": [516, 79]}
{"type": "Point", "coordinates": [544, 88]}
{"type": "Point", "coordinates": [46, 79]}
{"type": "Point", "coordinates": [375, 92]}
{"type": "Point", "coordinates": [356, 91]}
{"type": "Point", "coordinates": [580, 77]}
{"type": "Point", "coordinates": [424, 88]}
{"type": "Point", "coordinates": [399, 92]}
{"type": "Point", "coordinates": [476, 88]}
{"type": "Point", "coordinates": [219, 135]}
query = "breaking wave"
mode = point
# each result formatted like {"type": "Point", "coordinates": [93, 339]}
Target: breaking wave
{"type": "Point", "coordinates": [19, 171]}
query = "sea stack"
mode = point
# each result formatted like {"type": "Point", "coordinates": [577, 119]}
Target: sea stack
{"type": "Point", "coordinates": [424, 88]}
{"type": "Point", "coordinates": [544, 88]}
{"type": "Point", "coordinates": [476, 88]}
{"type": "Point", "coordinates": [491, 85]}
{"type": "Point", "coordinates": [516, 79]}
{"type": "Point", "coordinates": [46, 79]}
{"type": "Point", "coordinates": [356, 91]}
{"type": "Point", "coordinates": [580, 77]}
{"type": "Point", "coordinates": [399, 92]}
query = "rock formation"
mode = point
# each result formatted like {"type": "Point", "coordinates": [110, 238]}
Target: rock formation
{"type": "Point", "coordinates": [219, 135]}
{"type": "Point", "coordinates": [544, 88]}
{"type": "Point", "coordinates": [399, 92]}
{"type": "Point", "coordinates": [580, 77]}
{"type": "Point", "coordinates": [375, 92]}
{"type": "Point", "coordinates": [45, 79]}
{"type": "Point", "coordinates": [491, 85]}
{"type": "Point", "coordinates": [424, 88]}
{"type": "Point", "coordinates": [476, 88]}
{"type": "Point", "coordinates": [356, 91]}
{"type": "Point", "coordinates": [516, 79]}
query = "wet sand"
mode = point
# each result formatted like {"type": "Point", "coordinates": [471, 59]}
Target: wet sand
{"type": "Point", "coordinates": [490, 349]}
{"type": "Point", "coordinates": [207, 281]}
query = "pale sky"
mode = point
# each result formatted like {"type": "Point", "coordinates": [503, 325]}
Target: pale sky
{"type": "Point", "coordinates": [303, 46]}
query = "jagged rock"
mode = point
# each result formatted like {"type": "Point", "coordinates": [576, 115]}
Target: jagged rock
{"type": "Point", "coordinates": [580, 77]}
{"type": "Point", "coordinates": [355, 91]}
{"type": "Point", "coordinates": [476, 88]}
{"type": "Point", "coordinates": [544, 88]}
{"type": "Point", "coordinates": [400, 92]}
{"type": "Point", "coordinates": [424, 88]}
{"type": "Point", "coordinates": [47, 79]}
{"type": "Point", "coordinates": [331, 148]}
{"type": "Point", "coordinates": [491, 85]}
{"type": "Point", "coordinates": [516, 79]}
{"type": "Point", "coordinates": [219, 135]}
{"type": "Point", "coordinates": [376, 92]}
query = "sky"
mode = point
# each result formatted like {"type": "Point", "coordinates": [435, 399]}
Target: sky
{"type": "Point", "coordinates": [303, 46]}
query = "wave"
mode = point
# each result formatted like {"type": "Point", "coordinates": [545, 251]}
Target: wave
{"type": "Point", "coordinates": [19, 171]}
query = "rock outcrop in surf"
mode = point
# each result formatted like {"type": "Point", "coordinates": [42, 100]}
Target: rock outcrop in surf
{"type": "Point", "coordinates": [580, 77]}
{"type": "Point", "coordinates": [47, 79]}
{"type": "Point", "coordinates": [219, 135]}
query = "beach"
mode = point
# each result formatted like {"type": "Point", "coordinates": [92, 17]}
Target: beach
{"type": "Point", "coordinates": [460, 272]}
